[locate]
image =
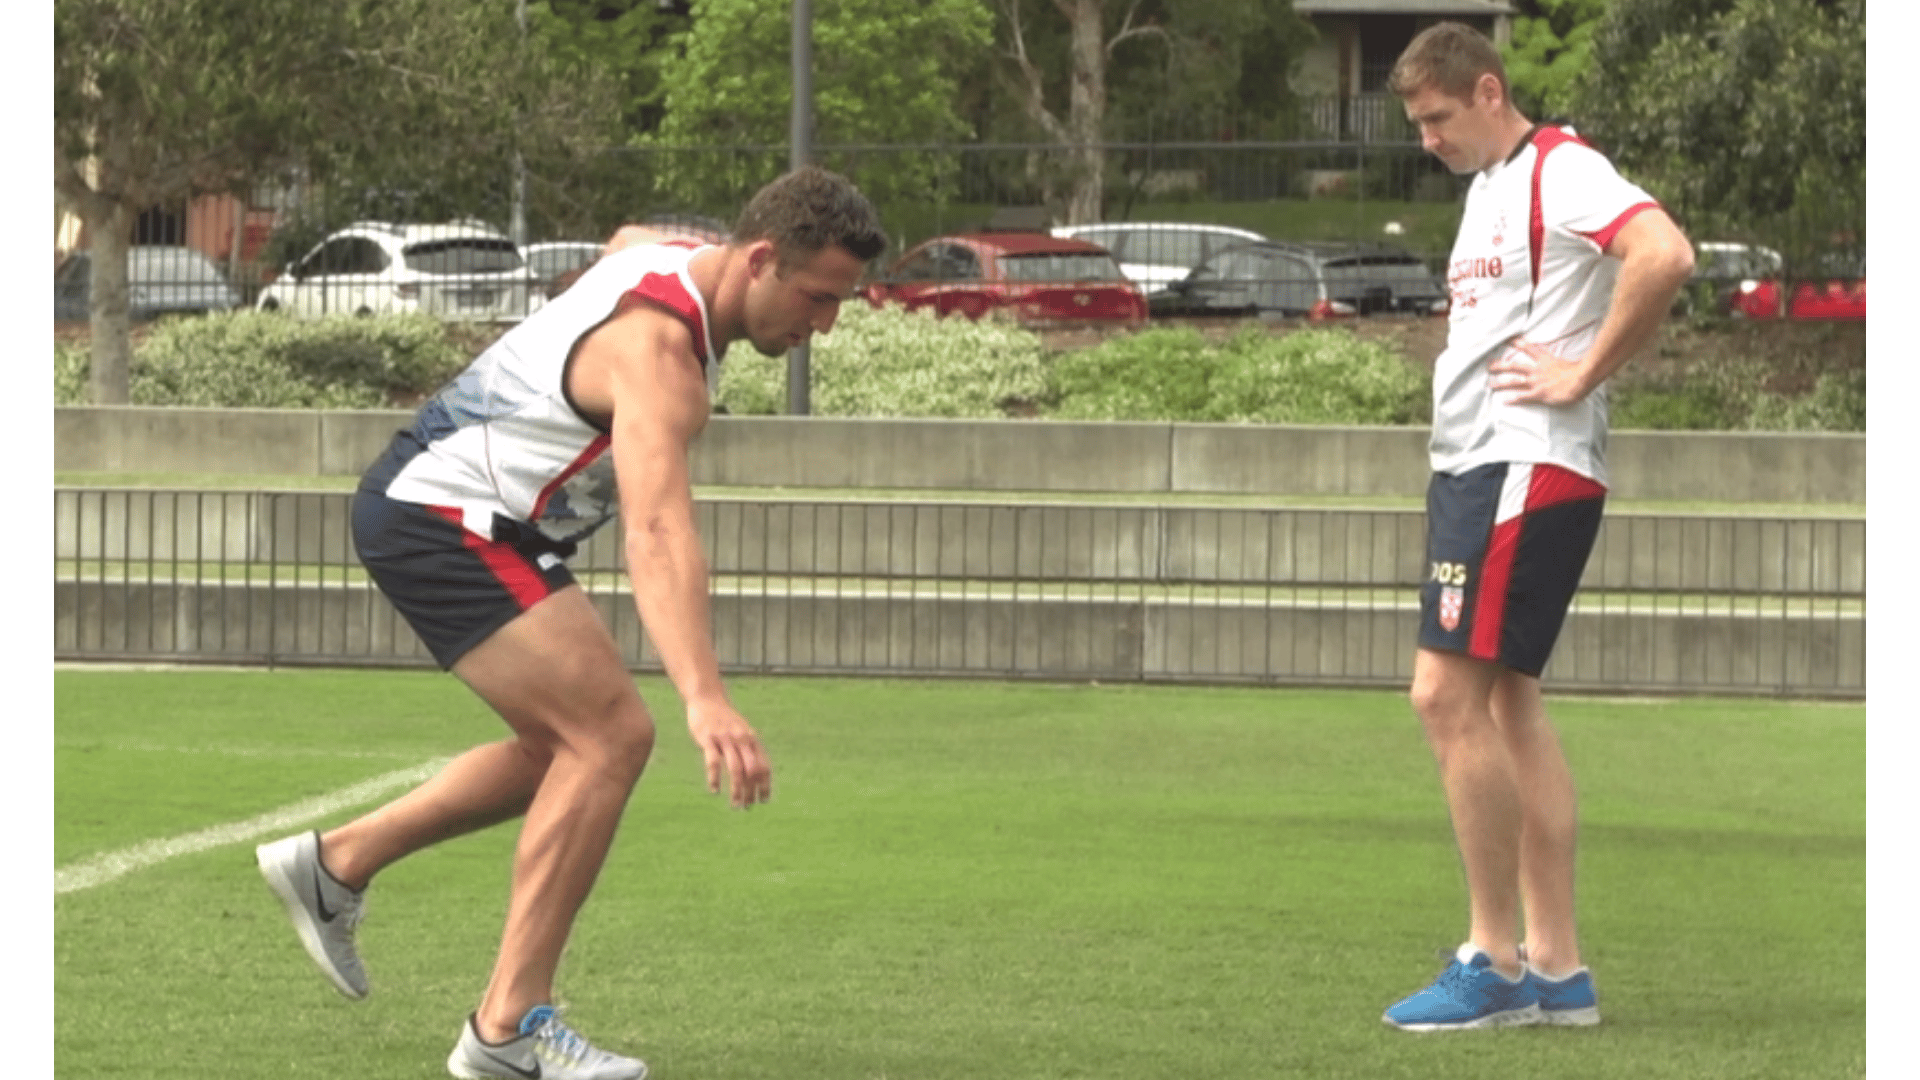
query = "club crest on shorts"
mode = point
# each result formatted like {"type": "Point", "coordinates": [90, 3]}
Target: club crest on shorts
{"type": "Point", "coordinates": [1452, 598]}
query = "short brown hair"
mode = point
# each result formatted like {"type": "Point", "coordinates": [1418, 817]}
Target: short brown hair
{"type": "Point", "coordinates": [808, 209]}
{"type": "Point", "coordinates": [1450, 57]}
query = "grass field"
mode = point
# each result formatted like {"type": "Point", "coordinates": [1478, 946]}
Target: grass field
{"type": "Point", "coordinates": [964, 880]}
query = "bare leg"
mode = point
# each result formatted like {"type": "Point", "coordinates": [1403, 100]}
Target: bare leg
{"type": "Point", "coordinates": [484, 786]}
{"type": "Point", "coordinates": [1548, 816]}
{"type": "Point", "coordinates": [1451, 694]}
{"type": "Point", "coordinates": [556, 676]}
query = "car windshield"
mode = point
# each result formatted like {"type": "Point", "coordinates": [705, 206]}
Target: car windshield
{"type": "Point", "coordinates": [474, 255]}
{"type": "Point", "coordinates": [169, 266]}
{"type": "Point", "coordinates": [1057, 266]}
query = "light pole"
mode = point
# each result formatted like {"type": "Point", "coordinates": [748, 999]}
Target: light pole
{"type": "Point", "coordinates": [800, 147]}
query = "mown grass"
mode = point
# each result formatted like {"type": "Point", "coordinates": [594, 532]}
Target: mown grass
{"type": "Point", "coordinates": [960, 880]}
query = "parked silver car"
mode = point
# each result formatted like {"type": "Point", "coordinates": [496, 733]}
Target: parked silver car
{"type": "Point", "coordinates": [1156, 254]}
{"type": "Point", "coordinates": [462, 270]}
{"type": "Point", "coordinates": [161, 280]}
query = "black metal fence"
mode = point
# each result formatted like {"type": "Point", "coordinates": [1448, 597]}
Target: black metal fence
{"type": "Point", "coordinates": [1070, 591]}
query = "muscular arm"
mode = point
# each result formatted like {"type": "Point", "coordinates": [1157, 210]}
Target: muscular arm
{"type": "Point", "coordinates": [644, 362]}
{"type": "Point", "coordinates": [1655, 261]}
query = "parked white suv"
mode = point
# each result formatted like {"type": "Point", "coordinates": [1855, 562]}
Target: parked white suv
{"type": "Point", "coordinates": [461, 270]}
{"type": "Point", "coordinates": [1155, 254]}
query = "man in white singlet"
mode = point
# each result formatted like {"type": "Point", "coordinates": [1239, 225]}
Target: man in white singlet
{"type": "Point", "coordinates": [1561, 271]}
{"type": "Point", "coordinates": [583, 410]}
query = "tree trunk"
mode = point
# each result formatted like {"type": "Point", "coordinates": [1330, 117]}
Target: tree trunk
{"type": "Point", "coordinates": [1086, 110]}
{"type": "Point", "coordinates": [110, 232]}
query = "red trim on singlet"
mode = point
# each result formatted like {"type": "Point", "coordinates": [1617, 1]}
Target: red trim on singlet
{"type": "Point", "coordinates": [592, 451]}
{"type": "Point", "coordinates": [669, 292]}
{"type": "Point", "coordinates": [1605, 236]}
{"type": "Point", "coordinates": [1544, 140]}
{"type": "Point", "coordinates": [509, 567]}
{"type": "Point", "coordinates": [1549, 485]}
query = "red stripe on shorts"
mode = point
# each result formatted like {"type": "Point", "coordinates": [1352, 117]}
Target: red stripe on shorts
{"type": "Point", "coordinates": [509, 567]}
{"type": "Point", "coordinates": [1549, 485]}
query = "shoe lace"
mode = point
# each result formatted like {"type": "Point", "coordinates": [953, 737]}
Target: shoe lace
{"type": "Point", "coordinates": [561, 1041]}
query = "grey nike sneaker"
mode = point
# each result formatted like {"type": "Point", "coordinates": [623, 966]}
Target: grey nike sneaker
{"type": "Point", "coordinates": [324, 912]}
{"type": "Point", "coordinates": [547, 1050]}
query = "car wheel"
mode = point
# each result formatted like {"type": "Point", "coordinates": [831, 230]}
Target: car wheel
{"type": "Point", "coordinates": [269, 304]}
{"type": "Point", "coordinates": [363, 313]}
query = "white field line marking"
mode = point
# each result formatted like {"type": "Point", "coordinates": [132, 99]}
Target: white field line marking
{"type": "Point", "coordinates": [104, 868]}
{"type": "Point", "coordinates": [239, 751]}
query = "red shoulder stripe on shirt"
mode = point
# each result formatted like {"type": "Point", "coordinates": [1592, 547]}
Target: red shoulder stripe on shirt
{"type": "Point", "coordinates": [667, 291]}
{"type": "Point", "coordinates": [1544, 140]}
{"type": "Point", "coordinates": [1603, 237]}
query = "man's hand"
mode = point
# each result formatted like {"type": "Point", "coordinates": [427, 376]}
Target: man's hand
{"type": "Point", "coordinates": [1534, 374]}
{"type": "Point", "coordinates": [726, 739]}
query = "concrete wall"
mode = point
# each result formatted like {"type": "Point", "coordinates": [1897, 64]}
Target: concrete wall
{"type": "Point", "coordinates": [1010, 455]}
{"type": "Point", "coordinates": [1197, 640]}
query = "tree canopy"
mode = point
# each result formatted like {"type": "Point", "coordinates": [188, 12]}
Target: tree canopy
{"type": "Point", "coordinates": [158, 101]}
{"type": "Point", "coordinates": [1551, 50]}
{"type": "Point", "coordinates": [1746, 117]}
{"type": "Point", "coordinates": [884, 73]}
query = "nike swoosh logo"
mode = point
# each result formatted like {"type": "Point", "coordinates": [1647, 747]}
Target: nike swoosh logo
{"type": "Point", "coordinates": [320, 898]}
{"type": "Point", "coordinates": [530, 1074]}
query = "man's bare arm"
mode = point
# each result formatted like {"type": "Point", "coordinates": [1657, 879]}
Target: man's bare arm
{"type": "Point", "coordinates": [1655, 261]}
{"type": "Point", "coordinates": [659, 397]}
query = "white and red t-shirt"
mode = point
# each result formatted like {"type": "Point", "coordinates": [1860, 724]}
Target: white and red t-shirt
{"type": "Point", "coordinates": [1529, 263]}
{"type": "Point", "coordinates": [504, 438]}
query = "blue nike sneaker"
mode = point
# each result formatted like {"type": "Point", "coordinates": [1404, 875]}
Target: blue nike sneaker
{"type": "Point", "coordinates": [1569, 1001]}
{"type": "Point", "coordinates": [1468, 994]}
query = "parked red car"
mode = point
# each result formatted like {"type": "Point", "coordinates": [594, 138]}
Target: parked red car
{"type": "Point", "coordinates": [1039, 279]}
{"type": "Point", "coordinates": [1836, 287]}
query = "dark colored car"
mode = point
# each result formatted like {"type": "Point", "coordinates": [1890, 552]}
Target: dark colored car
{"type": "Point", "coordinates": [1039, 279]}
{"type": "Point", "coordinates": [1276, 280]}
{"type": "Point", "coordinates": [161, 280]}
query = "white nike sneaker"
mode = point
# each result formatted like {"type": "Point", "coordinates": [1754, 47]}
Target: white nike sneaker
{"type": "Point", "coordinates": [324, 912]}
{"type": "Point", "coordinates": [549, 1050]}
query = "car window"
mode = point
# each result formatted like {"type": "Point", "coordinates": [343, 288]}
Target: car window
{"type": "Point", "coordinates": [1060, 266]}
{"type": "Point", "coordinates": [346, 255]}
{"type": "Point", "coordinates": [552, 262]}
{"type": "Point", "coordinates": [465, 255]}
{"type": "Point", "coordinates": [165, 265]}
{"type": "Point", "coordinates": [1738, 262]}
{"type": "Point", "coordinates": [1349, 276]}
{"type": "Point", "coordinates": [921, 266]}
{"type": "Point", "coordinates": [1285, 282]}
{"type": "Point", "coordinates": [1168, 247]}
{"type": "Point", "coordinates": [1114, 240]}
{"type": "Point", "coordinates": [959, 264]}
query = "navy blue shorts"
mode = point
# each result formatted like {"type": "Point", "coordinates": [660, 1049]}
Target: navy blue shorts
{"type": "Point", "coordinates": [1506, 545]}
{"type": "Point", "coordinates": [455, 587]}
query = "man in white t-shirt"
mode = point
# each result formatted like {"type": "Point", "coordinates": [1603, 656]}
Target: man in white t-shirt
{"type": "Point", "coordinates": [1562, 270]}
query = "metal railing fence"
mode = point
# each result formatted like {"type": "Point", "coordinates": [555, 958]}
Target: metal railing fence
{"type": "Point", "coordinates": [1069, 591]}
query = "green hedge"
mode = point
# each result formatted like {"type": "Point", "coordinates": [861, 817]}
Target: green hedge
{"type": "Point", "coordinates": [891, 362]}
{"type": "Point", "coordinates": [1306, 377]}
{"type": "Point", "coordinates": [888, 362]}
{"type": "Point", "coordinates": [248, 359]}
